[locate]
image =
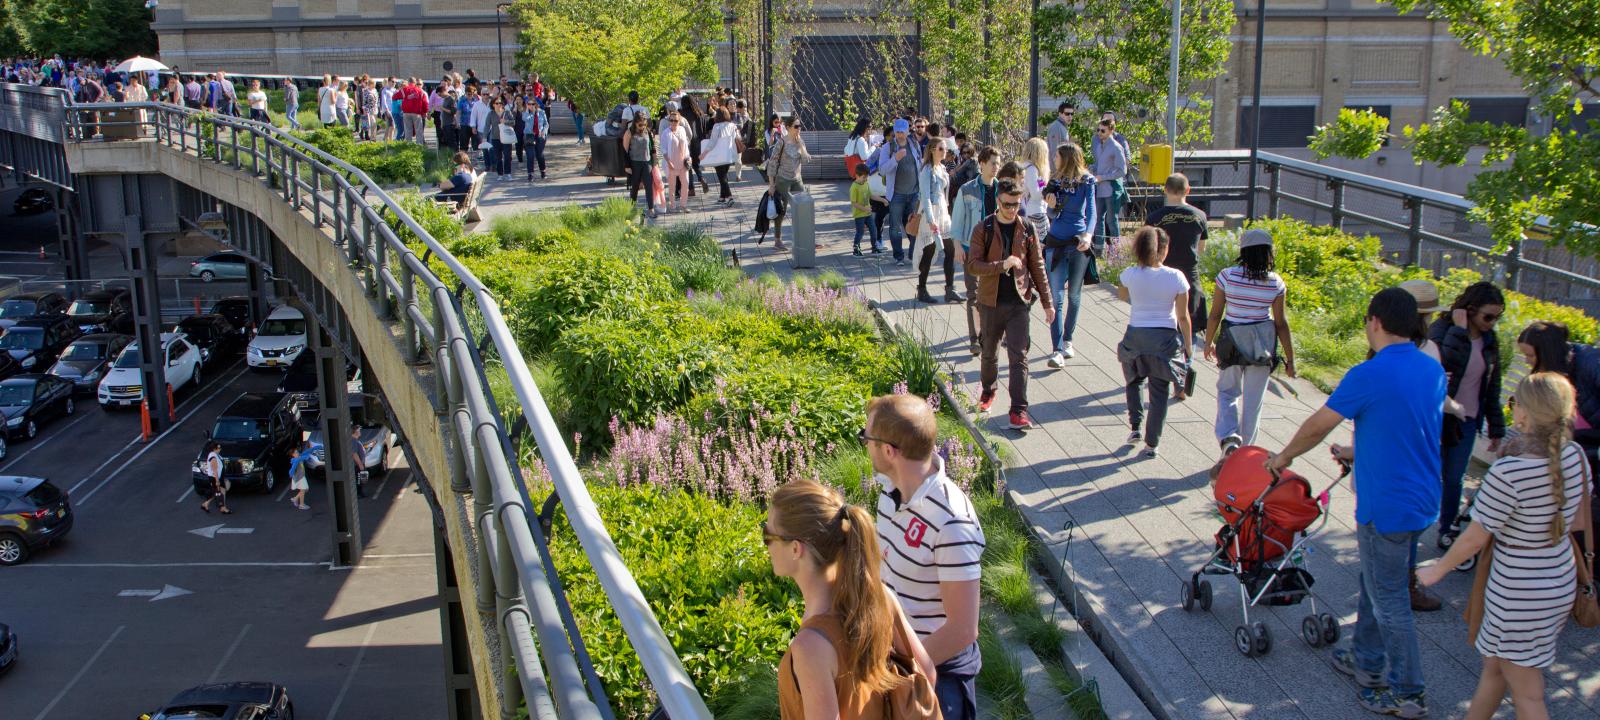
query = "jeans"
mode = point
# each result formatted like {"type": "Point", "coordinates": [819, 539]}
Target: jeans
{"type": "Point", "coordinates": [293, 114]}
{"type": "Point", "coordinates": [864, 226]}
{"type": "Point", "coordinates": [1235, 418]}
{"type": "Point", "coordinates": [880, 213]}
{"type": "Point", "coordinates": [1009, 322]}
{"type": "Point", "coordinates": [1454, 461]}
{"type": "Point", "coordinates": [1160, 393]}
{"type": "Point", "coordinates": [972, 300]}
{"type": "Point", "coordinates": [640, 177]}
{"type": "Point", "coordinates": [1066, 273]}
{"type": "Point", "coordinates": [500, 156]}
{"type": "Point", "coordinates": [901, 205]}
{"type": "Point", "coordinates": [722, 183]}
{"type": "Point", "coordinates": [1111, 221]}
{"type": "Point", "coordinates": [578, 118]}
{"type": "Point", "coordinates": [1385, 627]}
{"type": "Point", "coordinates": [342, 117]}
{"type": "Point", "coordinates": [535, 155]}
{"type": "Point", "coordinates": [259, 116]}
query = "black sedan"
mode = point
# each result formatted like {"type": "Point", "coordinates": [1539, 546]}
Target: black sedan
{"type": "Point", "coordinates": [8, 648]}
{"type": "Point", "coordinates": [31, 304]}
{"type": "Point", "coordinates": [86, 360]}
{"type": "Point", "coordinates": [109, 310]}
{"type": "Point", "coordinates": [36, 343]}
{"type": "Point", "coordinates": [237, 310]}
{"type": "Point", "coordinates": [30, 400]}
{"type": "Point", "coordinates": [32, 202]}
{"type": "Point", "coordinates": [212, 334]}
{"type": "Point", "coordinates": [229, 701]}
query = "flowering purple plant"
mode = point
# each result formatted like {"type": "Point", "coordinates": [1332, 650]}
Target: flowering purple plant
{"type": "Point", "coordinates": [816, 302]}
{"type": "Point", "coordinates": [732, 463]}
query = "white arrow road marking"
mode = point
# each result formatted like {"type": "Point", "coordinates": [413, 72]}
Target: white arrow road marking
{"type": "Point", "coordinates": [167, 591]}
{"type": "Point", "coordinates": [210, 532]}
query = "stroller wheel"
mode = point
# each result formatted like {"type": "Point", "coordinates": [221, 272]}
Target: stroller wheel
{"type": "Point", "coordinates": [1243, 642]}
{"type": "Point", "coordinates": [1330, 629]}
{"type": "Point", "coordinates": [1311, 631]}
{"type": "Point", "coordinates": [1263, 640]}
{"type": "Point", "coordinates": [1205, 594]}
{"type": "Point", "coordinates": [1188, 596]}
{"type": "Point", "coordinates": [1468, 564]}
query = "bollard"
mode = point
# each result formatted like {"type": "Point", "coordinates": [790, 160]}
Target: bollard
{"type": "Point", "coordinates": [41, 252]}
{"type": "Point", "coordinates": [172, 410]}
{"type": "Point", "coordinates": [197, 304]}
{"type": "Point", "coordinates": [803, 230]}
{"type": "Point", "coordinates": [144, 419]}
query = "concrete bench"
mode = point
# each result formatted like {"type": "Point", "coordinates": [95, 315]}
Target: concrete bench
{"type": "Point", "coordinates": [827, 154]}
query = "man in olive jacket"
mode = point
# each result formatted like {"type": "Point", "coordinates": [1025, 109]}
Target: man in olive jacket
{"type": "Point", "coordinates": [1009, 266]}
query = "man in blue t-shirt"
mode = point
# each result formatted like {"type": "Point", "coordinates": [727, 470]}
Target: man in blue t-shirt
{"type": "Point", "coordinates": [1396, 400]}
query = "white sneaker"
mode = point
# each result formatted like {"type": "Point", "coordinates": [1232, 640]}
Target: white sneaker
{"type": "Point", "coordinates": [1056, 360]}
{"type": "Point", "coordinates": [1067, 351]}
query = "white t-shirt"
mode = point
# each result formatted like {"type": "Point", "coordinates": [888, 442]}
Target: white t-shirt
{"type": "Point", "coordinates": [258, 100]}
{"type": "Point", "coordinates": [1153, 294]}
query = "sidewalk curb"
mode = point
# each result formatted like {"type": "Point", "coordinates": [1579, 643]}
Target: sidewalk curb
{"type": "Point", "coordinates": [1086, 662]}
{"type": "Point", "coordinates": [1044, 701]}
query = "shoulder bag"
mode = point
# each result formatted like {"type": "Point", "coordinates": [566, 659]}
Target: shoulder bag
{"type": "Point", "coordinates": [913, 697]}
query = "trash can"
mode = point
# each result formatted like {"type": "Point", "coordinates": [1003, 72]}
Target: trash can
{"type": "Point", "coordinates": [802, 219]}
{"type": "Point", "coordinates": [605, 156]}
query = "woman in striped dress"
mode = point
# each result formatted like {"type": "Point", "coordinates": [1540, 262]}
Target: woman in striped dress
{"type": "Point", "coordinates": [1527, 504]}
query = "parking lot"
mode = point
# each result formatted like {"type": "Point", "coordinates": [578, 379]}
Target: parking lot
{"type": "Point", "coordinates": [147, 595]}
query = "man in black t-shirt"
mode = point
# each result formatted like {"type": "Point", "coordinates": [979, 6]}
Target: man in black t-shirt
{"type": "Point", "coordinates": [1185, 225]}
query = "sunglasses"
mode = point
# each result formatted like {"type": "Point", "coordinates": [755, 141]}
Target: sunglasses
{"type": "Point", "coordinates": [769, 537]}
{"type": "Point", "coordinates": [864, 437]}
{"type": "Point", "coordinates": [1011, 205]}
{"type": "Point", "coordinates": [1490, 317]}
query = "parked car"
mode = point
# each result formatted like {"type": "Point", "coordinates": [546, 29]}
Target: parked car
{"type": "Point", "coordinates": [88, 359]}
{"type": "Point", "coordinates": [33, 514]}
{"type": "Point", "coordinates": [8, 648]}
{"type": "Point", "coordinates": [212, 334]}
{"type": "Point", "coordinates": [32, 202]}
{"type": "Point", "coordinates": [279, 340]}
{"type": "Point", "coordinates": [256, 433]}
{"type": "Point", "coordinates": [8, 366]}
{"type": "Point", "coordinates": [223, 265]}
{"type": "Point", "coordinates": [237, 310]}
{"type": "Point", "coordinates": [367, 413]}
{"type": "Point", "coordinates": [109, 310]}
{"type": "Point", "coordinates": [30, 400]}
{"type": "Point", "coordinates": [301, 377]}
{"type": "Point", "coordinates": [123, 386]}
{"type": "Point", "coordinates": [30, 304]}
{"type": "Point", "coordinates": [228, 701]}
{"type": "Point", "coordinates": [35, 343]}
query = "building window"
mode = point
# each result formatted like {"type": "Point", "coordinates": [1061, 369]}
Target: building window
{"type": "Point", "coordinates": [1282, 126]}
{"type": "Point", "coordinates": [1511, 111]}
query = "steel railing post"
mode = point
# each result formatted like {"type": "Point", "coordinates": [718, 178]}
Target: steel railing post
{"type": "Point", "coordinates": [1513, 263]}
{"type": "Point", "coordinates": [1274, 189]}
{"type": "Point", "coordinates": [1414, 231]}
{"type": "Point", "coordinates": [1336, 214]}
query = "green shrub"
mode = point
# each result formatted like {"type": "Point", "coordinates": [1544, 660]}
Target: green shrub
{"type": "Point", "coordinates": [912, 363]}
{"type": "Point", "coordinates": [806, 401]}
{"type": "Point", "coordinates": [519, 230]}
{"type": "Point", "coordinates": [546, 295]}
{"type": "Point", "coordinates": [474, 245]}
{"type": "Point", "coordinates": [387, 163]}
{"type": "Point", "coordinates": [632, 368]}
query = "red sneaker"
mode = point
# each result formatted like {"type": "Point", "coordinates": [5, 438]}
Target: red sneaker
{"type": "Point", "coordinates": [985, 400]}
{"type": "Point", "coordinates": [1020, 420]}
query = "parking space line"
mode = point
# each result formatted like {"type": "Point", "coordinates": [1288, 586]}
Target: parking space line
{"type": "Point", "coordinates": [283, 494]}
{"type": "Point", "coordinates": [186, 492]}
{"type": "Point", "coordinates": [153, 443]}
{"type": "Point", "coordinates": [81, 672]}
{"type": "Point", "coordinates": [350, 676]}
{"type": "Point", "coordinates": [226, 656]}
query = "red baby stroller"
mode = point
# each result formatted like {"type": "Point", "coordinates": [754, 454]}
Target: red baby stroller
{"type": "Point", "coordinates": [1268, 521]}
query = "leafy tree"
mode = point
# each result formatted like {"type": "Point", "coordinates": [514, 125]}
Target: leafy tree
{"type": "Point", "coordinates": [1113, 55]}
{"type": "Point", "coordinates": [1554, 49]}
{"type": "Point", "coordinates": [976, 54]}
{"type": "Point", "coordinates": [596, 51]}
{"type": "Point", "coordinates": [98, 29]}
{"type": "Point", "coordinates": [1356, 133]}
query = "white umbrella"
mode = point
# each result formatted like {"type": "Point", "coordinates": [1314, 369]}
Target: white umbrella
{"type": "Point", "coordinates": [140, 63]}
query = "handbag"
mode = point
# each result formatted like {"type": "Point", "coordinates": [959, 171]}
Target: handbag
{"type": "Point", "coordinates": [913, 698]}
{"type": "Point", "coordinates": [1480, 582]}
{"type": "Point", "coordinates": [1585, 605]}
{"type": "Point", "coordinates": [913, 224]}
{"type": "Point", "coordinates": [1250, 344]}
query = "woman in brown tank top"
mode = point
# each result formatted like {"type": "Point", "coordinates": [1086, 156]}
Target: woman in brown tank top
{"type": "Point", "coordinates": [837, 664]}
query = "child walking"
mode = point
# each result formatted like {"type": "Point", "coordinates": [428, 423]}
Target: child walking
{"type": "Point", "coordinates": [297, 476]}
{"type": "Point", "coordinates": [861, 211]}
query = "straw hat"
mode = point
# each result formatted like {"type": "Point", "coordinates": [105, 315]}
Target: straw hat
{"type": "Point", "coordinates": [1426, 294]}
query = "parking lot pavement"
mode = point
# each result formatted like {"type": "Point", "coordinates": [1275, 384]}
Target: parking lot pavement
{"type": "Point", "coordinates": [148, 595]}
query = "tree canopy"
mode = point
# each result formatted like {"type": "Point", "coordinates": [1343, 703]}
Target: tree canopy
{"type": "Point", "coordinates": [596, 51]}
{"type": "Point", "coordinates": [97, 29]}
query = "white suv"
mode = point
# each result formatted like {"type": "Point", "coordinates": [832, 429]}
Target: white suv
{"type": "Point", "coordinates": [279, 340]}
{"type": "Point", "coordinates": [122, 385]}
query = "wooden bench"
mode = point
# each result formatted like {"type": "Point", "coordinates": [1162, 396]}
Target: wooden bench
{"type": "Point", "coordinates": [467, 209]}
{"type": "Point", "coordinates": [827, 154]}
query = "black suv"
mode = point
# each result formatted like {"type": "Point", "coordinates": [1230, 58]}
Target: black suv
{"type": "Point", "coordinates": [36, 343]}
{"type": "Point", "coordinates": [108, 310]}
{"type": "Point", "coordinates": [212, 334]}
{"type": "Point", "coordinates": [33, 514]}
{"type": "Point", "coordinates": [229, 701]}
{"type": "Point", "coordinates": [237, 310]}
{"type": "Point", "coordinates": [30, 304]}
{"type": "Point", "coordinates": [256, 433]}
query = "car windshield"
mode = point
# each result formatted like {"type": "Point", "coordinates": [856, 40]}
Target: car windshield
{"type": "Point", "coordinates": [23, 339]}
{"type": "Point", "coordinates": [17, 308]}
{"type": "Point", "coordinates": [84, 351]}
{"type": "Point", "coordinates": [283, 327]}
{"type": "Point", "coordinates": [85, 307]}
{"type": "Point", "coordinates": [238, 430]}
{"type": "Point", "coordinates": [16, 393]}
{"type": "Point", "coordinates": [129, 357]}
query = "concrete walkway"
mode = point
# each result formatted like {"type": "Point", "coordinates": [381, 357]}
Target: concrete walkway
{"type": "Point", "coordinates": [1139, 526]}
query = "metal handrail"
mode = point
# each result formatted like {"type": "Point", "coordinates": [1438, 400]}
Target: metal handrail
{"type": "Point", "coordinates": [484, 445]}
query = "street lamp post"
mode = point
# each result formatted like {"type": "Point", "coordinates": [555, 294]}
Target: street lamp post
{"type": "Point", "coordinates": [500, 46]}
{"type": "Point", "coordinates": [1033, 71]}
{"type": "Point", "coordinates": [1255, 112]}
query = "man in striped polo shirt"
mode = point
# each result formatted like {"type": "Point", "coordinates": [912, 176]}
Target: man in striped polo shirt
{"type": "Point", "coordinates": [932, 544]}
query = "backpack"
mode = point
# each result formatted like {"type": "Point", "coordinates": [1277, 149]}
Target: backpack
{"type": "Point", "coordinates": [614, 119]}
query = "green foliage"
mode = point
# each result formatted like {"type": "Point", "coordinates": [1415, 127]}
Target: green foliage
{"type": "Point", "coordinates": [701, 565]}
{"type": "Point", "coordinates": [387, 163]}
{"type": "Point", "coordinates": [1355, 134]}
{"type": "Point", "coordinates": [1115, 53]}
{"type": "Point", "coordinates": [811, 403]}
{"type": "Point", "coordinates": [978, 82]}
{"type": "Point", "coordinates": [634, 367]}
{"type": "Point", "coordinates": [97, 29]}
{"type": "Point", "coordinates": [546, 295]}
{"type": "Point", "coordinates": [913, 363]}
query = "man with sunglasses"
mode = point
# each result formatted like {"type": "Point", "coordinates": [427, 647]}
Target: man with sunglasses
{"type": "Point", "coordinates": [1059, 132]}
{"type": "Point", "coordinates": [1009, 266]}
{"type": "Point", "coordinates": [932, 544]}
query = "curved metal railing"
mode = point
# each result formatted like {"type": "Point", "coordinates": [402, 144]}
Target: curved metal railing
{"type": "Point", "coordinates": [482, 457]}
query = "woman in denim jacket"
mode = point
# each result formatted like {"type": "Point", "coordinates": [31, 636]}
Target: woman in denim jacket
{"type": "Point", "coordinates": [1069, 245]}
{"type": "Point", "coordinates": [933, 189]}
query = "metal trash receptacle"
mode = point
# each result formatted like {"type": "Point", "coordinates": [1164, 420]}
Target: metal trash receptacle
{"type": "Point", "coordinates": [605, 156]}
{"type": "Point", "coordinates": [802, 217]}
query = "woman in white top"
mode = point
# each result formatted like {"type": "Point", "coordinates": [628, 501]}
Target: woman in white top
{"type": "Point", "coordinates": [674, 144]}
{"type": "Point", "coordinates": [136, 92]}
{"type": "Point", "coordinates": [1249, 305]}
{"type": "Point", "coordinates": [933, 192]}
{"type": "Point", "coordinates": [724, 148]}
{"type": "Point", "coordinates": [325, 103]}
{"type": "Point", "coordinates": [1035, 162]}
{"type": "Point", "coordinates": [1153, 349]}
{"type": "Point", "coordinates": [1531, 498]}
{"type": "Point", "coordinates": [212, 469]}
{"type": "Point", "coordinates": [257, 99]}
{"type": "Point", "coordinates": [341, 103]}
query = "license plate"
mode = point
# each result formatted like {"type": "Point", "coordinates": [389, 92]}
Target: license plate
{"type": "Point", "coordinates": [61, 512]}
{"type": "Point", "coordinates": [269, 363]}
{"type": "Point", "coordinates": [125, 402]}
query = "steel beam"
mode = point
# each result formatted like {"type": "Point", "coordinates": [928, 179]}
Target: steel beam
{"type": "Point", "coordinates": [141, 258]}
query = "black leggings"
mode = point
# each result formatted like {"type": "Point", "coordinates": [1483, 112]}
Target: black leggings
{"type": "Point", "coordinates": [926, 263]}
{"type": "Point", "coordinates": [722, 182]}
{"type": "Point", "coordinates": [641, 178]}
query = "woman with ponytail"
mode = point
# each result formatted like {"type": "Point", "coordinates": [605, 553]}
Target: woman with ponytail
{"type": "Point", "coordinates": [1527, 505]}
{"type": "Point", "coordinates": [837, 666]}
